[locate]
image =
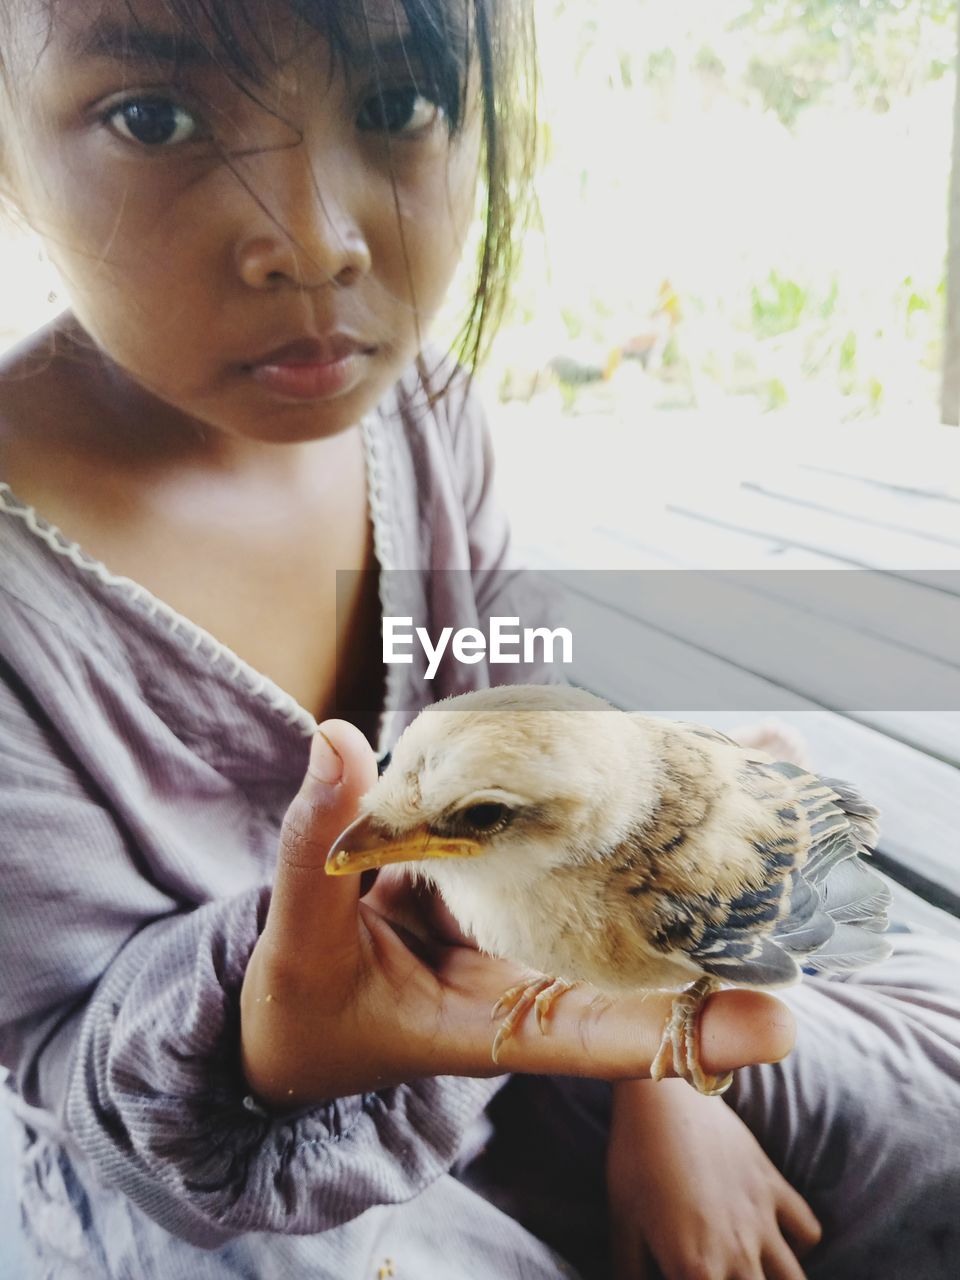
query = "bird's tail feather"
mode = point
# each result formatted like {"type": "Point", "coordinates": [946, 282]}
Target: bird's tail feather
{"type": "Point", "coordinates": [855, 894]}
{"type": "Point", "coordinates": [864, 817]}
{"type": "Point", "coordinates": [841, 932]}
{"type": "Point", "coordinates": [851, 947]}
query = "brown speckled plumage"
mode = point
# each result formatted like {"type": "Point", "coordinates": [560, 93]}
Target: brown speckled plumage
{"type": "Point", "coordinates": [628, 851]}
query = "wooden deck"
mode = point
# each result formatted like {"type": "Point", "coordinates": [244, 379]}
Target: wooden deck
{"type": "Point", "coordinates": [685, 492]}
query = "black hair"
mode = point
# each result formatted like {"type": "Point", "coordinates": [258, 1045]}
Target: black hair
{"type": "Point", "coordinates": [444, 39]}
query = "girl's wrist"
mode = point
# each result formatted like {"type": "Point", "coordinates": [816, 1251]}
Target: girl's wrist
{"type": "Point", "coordinates": [654, 1112]}
{"type": "Point", "coordinates": [654, 1095]}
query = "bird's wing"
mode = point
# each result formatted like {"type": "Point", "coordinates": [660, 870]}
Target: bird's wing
{"type": "Point", "coordinates": [708, 732]}
{"type": "Point", "coordinates": [850, 897]}
{"type": "Point", "coordinates": [762, 872]}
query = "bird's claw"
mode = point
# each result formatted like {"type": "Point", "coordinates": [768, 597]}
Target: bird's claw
{"type": "Point", "coordinates": [539, 994]}
{"type": "Point", "coordinates": [680, 1043]}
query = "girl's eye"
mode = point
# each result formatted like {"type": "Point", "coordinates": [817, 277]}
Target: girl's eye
{"type": "Point", "coordinates": [400, 110]}
{"type": "Point", "coordinates": [153, 122]}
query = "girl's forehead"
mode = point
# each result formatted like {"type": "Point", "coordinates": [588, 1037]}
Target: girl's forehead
{"type": "Point", "coordinates": [184, 31]}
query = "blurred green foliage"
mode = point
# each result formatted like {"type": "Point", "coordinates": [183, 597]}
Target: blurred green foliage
{"type": "Point", "coordinates": [870, 51]}
{"type": "Point", "coordinates": [779, 167]}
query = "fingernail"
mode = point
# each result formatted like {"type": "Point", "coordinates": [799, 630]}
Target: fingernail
{"type": "Point", "coordinates": [325, 763]}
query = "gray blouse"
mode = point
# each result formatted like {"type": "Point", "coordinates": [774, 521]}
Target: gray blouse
{"type": "Point", "coordinates": [144, 773]}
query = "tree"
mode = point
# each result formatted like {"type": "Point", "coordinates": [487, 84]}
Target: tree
{"type": "Point", "coordinates": [866, 52]}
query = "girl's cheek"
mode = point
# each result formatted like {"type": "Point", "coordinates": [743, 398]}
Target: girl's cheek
{"type": "Point", "coordinates": [442, 195]}
{"type": "Point", "coordinates": [69, 198]}
{"type": "Point", "coordinates": [114, 229]}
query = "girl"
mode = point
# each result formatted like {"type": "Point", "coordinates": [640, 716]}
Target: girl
{"type": "Point", "coordinates": [225, 1064]}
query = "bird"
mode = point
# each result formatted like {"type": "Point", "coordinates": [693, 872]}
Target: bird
{"type": "Point", "coordinates": [594, 845]}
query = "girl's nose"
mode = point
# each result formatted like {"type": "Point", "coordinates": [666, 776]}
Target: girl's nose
{"type": "Point", "coordinates": [308, 240]}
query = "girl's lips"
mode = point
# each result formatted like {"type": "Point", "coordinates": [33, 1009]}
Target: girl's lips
{"type": "Point", "coordinates": [312, 369]}
{"type": "Point", "coordinates": [310, 381]}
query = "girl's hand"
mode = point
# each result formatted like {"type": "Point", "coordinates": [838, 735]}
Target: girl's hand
{"type": "Point", "coordinates": [342, 996]}
{"type": "Point", "coordinates": [692, 1194]}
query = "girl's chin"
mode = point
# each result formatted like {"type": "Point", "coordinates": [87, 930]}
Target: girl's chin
{"type": "Point", "coordinates": [267, 405]}
{"type": "Point", "coordinates": [286, 420]}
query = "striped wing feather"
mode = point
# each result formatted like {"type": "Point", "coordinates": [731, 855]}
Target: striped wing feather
{"type": "Point", "coordinates": [819, 905]}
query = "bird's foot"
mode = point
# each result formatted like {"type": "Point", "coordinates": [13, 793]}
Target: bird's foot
{"type": "Point", "coordinates": [539, 994]}
{"type": "Point", "coordinates": [681, 1042]}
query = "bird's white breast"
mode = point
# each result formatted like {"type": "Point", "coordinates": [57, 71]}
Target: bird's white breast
{"type": "Point", "coordinates": [542, 921]}
{"type": "Point", "coordinates": [508, 915]}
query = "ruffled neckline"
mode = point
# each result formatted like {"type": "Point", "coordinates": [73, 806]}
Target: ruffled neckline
{"type": "Point", "coordinates": [218, 657]}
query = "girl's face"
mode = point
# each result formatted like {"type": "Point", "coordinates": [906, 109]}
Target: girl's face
{"type": "Point", "coordinates": [263, 260]}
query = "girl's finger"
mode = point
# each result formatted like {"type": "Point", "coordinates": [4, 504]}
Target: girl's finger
{"type": "Point", "coordinates": [630, 1259]}
{"type": "Point", "coordinates": [738, 1028]}
{"type": "Point", "coordinates": [798, 1222]}
{"type": "Point", "coordinates": [585, 1033]}
{"type": "Point", "coordinates": [313, 915]}
{"type": "Point", "coordinates": [780, 1262]}
{"type": "Point", "coordinates": [421, 910]}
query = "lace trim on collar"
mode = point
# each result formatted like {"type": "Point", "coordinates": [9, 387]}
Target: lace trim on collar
{"type": "Point", "coordinates": [201, 641]}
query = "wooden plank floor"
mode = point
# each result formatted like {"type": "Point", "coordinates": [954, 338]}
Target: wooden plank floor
{"type": "Point", "coordinates": [809, 505]}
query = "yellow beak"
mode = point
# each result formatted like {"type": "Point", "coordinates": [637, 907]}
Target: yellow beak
{"type": "Point", "coordinates": [362, 848]}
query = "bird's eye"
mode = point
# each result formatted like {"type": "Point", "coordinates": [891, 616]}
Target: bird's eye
{"type": "Point", "coordinates": [486, 818]}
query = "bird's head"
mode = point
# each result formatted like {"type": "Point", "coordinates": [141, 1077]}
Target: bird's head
{"type": "Point", "coordinates": [533, 775]}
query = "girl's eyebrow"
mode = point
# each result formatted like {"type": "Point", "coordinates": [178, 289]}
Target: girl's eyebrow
{"type": "Point", "coordinates": [108, 39]}
{"type": "Point", "coordinates": [389, 49]}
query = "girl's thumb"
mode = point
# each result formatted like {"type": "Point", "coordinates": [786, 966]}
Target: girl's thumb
{"type": "Point", "coordinates": [307, 904]}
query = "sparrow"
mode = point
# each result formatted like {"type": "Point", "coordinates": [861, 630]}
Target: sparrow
{"type": "Point", "coordinates": [593, 845]}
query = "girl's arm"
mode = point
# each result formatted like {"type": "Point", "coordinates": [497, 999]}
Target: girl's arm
{"type": "Point", "coordinates": [120, 1000]}
{"type": "Point", "coordinates": [692, 1191]}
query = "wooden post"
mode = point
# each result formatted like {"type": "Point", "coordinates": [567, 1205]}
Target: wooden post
{"type": "Point", "coordinates": [950, 389]}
